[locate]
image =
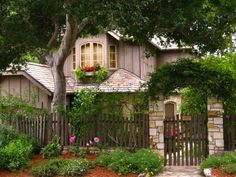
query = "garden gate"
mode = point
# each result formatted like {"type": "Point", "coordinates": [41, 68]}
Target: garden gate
{"type": "Point", "coordinates": [185, 140]}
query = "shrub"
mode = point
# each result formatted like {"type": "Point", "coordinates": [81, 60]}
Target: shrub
{"type": "Point", "coordinates": [53, 149]}
{"type": "Point", "coordinates": [6, 135]}
{"type": "Point", "coordinates": [76, 151]}
{"type": "Point", "coordinates": [75, 168]}
{"type": "Point", "coordinates": [17, 154]}
{"type": "Point", "coordinates": [217, 161]}
{"type": "Point", "coordinates": [61, 167]}
{"type": "Point", "coordinates": [125, 162]}
{"type": "Point", "coordinates": [230, 168]}
{"type": "Point", "coordinates": [47, 169]}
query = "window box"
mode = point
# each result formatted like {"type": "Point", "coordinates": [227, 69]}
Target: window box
{"type": "Point", "coordinates": [94, 74]}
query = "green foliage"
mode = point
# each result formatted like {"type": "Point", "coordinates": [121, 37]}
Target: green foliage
{"type": "Point", "coordinates": [77, 151]}
{"type": "Point", "coordinates": [6, 135]}
{"type": "Point", "coordinates": [207, 76]}
{"type": "Point", "coordinates": [216, 161]}
{"type": "Point", "coordinates": [101, 75]}
{"type": "Point", "coordinates": [81, 75]}
{"type": "Point", "coordinates": [17, 154]}
{"type": "Point", "coordinates": [230, 168]}
{"type": "Point", "coordinates": [82, 106]}
{"type": "Point", "coordinates": [88, 103]}
{"type": "Point", "coordinates": [194, 101]}
{"type": "Point", "coordinates": [125, 162]}
{"type": "Point", "coordinates": [207, 24]}
{"type": "Point", "coordinates": [98, 76]}
{"type": "Point", "coordinates": [13, 107]}
{"type": "Point", "coordinates": [53, 149]}
{"type": "Point", "coordinates": [59, 167]}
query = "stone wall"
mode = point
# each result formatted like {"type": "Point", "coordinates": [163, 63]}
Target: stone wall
{"type": "Point", "coordinates": [156, 130]}
{"type": "Point", "coordinates": [215, 126]}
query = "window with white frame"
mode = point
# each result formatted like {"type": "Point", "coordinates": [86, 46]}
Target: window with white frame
{"type": "Point", "coordinates": [91, 54]}
{"type": "Point", "coordinates": [112, 57]}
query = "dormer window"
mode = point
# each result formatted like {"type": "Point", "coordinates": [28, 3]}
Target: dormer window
{"type": "Point", "coordinates": [91, 55]}
{"type": "Point", "coordinates": [112, 57]}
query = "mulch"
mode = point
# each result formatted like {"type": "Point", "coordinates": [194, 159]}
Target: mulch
{"type": "Point", "coordinates": [38, 159]}
{"type": "Point", "coordinates": [220, 173]}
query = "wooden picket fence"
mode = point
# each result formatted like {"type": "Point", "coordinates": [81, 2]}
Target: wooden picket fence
{"type": "Point", "coordinates": [113, 130]}
{"type": "Point", "coordinates": [229, 132]}
{"type": "Point", "coordinates": [185, 140]}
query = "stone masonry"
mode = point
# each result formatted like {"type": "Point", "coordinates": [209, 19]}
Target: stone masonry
{"type": "Point", "coordinates": [215, 126]}
{"type": "Point", "coordinates": [156, 124]}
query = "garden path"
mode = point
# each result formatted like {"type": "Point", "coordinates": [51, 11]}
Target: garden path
{"type": "Point", "coordinates": [180, 171]}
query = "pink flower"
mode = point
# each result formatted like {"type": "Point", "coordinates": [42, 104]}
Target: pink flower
{"type": "Point", "coordinates": [72, 139]}
{"type": "Point", "coordinates": [96, 140]}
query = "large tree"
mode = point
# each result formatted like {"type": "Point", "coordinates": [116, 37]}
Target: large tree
{"type": "Point", "coordinates": [49, 28]}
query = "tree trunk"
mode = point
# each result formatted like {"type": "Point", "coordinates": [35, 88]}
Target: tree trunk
{"type": "Point", "coordinates": [59, 98]}
{"type": "Point", "coordinates": [56, 61]}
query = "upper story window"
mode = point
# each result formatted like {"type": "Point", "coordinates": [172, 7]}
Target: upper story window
{"type": "Point", "coordinates": [91, 54]}
{"type": "Point", "coordinates": [73, 59]}
{"type": "Point", "coordinates": [113, 57]}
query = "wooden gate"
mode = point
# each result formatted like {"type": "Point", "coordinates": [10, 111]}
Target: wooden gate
{"type": "Point", "coordinates": [185, 140]}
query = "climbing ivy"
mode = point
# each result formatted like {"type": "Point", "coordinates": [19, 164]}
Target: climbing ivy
{"type": "Point", "coordinates": [216, 76]}
{"type": "Point", "coordinates": [12, 107]}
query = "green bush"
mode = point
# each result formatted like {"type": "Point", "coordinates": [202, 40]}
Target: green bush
{"type": "Point", "coordinates": [17, 154]}
{"type": "Point", "coordinates": [76, 151]}
{"type": "Point", "coordinates": [6, 135]}
{"type": "Point", "coordinates": [53, 149]}
{"type": "Point", "coordinates": [125, 162]}
{"type": "Point", "coordinates": [230, 168]}
{"type": "Point", "coordinates": [216, 161]}
{"type": "Point", "coordinates": [75, 168]}
{"type": "Point", "coordinates": [61, 167]}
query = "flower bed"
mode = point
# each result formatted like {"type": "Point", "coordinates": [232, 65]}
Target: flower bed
{"type": "Point", "coordinates": [222, 163]}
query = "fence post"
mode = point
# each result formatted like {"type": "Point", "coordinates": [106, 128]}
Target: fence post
{"type": "Point", "coordinates": [215, 126]}
{"type": "Point", "coordinates": [49, 128]}
{"type": "Point", "coordinates": [156, 125]}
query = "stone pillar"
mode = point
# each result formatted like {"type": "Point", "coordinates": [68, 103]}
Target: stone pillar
{"type": "Point", "coordinates": [156, 126]}
{"type": "Point", "coordinates": [215, 126]}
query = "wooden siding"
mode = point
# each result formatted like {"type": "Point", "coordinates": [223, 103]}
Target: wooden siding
{"type": "Point", "coordinates": [18, 85]}
{"type": "Point", "coordinates": [171, 55]}
{"type": "Point", "coordinates": [130, 56]}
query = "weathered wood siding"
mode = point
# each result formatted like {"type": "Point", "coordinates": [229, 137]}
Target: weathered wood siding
{"type": "Point", "coordinates": [18, 85]}
{"type": "Point", "coordinates": [171, 55]}
{"type": "Point", "coordinates": [130, 56]}
{"type": "Point", "coordinates": [101, 38]}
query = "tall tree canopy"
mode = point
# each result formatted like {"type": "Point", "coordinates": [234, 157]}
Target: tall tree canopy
{"type": "Point", "coordinates": [49, 28]}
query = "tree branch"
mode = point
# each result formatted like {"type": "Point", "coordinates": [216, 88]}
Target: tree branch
{"type": "Point", "coordinates": [54, 36]}
{"type": "Point", "coordinates": [82, 24]}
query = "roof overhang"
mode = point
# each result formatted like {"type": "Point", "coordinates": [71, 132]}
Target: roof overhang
{"type": "Point", "coordinates": [26, 75]}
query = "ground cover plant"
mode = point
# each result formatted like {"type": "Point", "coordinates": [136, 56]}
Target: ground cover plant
{"type": "Point", "coordinates": [15, 149]}
{"type": "Point", "coordinates": [62, 167]}
{"type": "Point", "coordinates": [17, 153]}
{"type": "Point", "coordinates": [226, 161]}
{"type": "Point", "coordinates": [126, 162]}
{"type": "Point", "coordinates": [53, 149]}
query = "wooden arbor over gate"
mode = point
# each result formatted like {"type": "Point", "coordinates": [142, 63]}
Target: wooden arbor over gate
{"type": "Point", "coordinates": [185, 140]}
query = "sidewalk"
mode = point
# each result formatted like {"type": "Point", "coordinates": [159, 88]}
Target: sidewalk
{"type": "Point", "coordinates": [180, 171]}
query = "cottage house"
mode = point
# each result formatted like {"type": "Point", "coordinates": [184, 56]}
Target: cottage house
{"type": "Point", "coordinates": [128, 68]}
{"type": "Point", "coordinates": [126, 62]}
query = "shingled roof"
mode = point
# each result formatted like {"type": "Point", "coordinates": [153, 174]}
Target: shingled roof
{"type": "Point", "coordinates": [42, 74]}
{"type": "Point", "coordinates": [120, 81]}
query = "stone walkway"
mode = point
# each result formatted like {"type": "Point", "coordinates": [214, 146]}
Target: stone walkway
{"type": "Point", "coordinates": [180, 171]}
